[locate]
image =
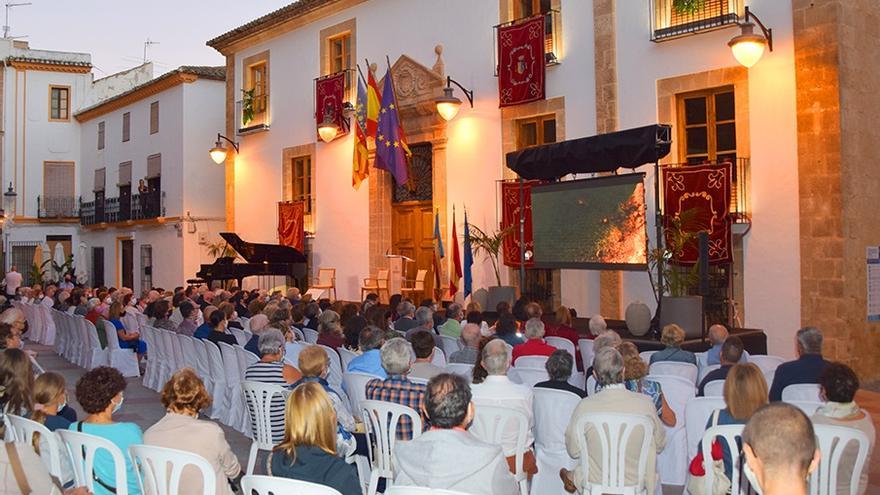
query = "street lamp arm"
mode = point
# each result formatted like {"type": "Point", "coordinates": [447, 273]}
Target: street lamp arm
{"type": "Point", "coordinates": [233, 143]}
{"type": "Point", "coordinates": [768, 32]}
{"type": "Point", "coordinates": [467, 93]}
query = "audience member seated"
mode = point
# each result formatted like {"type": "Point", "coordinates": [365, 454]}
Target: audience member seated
{"type": "Point", "coordinates": [10, 338]}
{"type": "Point", "coordinates": [308, 450]}
{"type": "Point", "coordinates": [468, 354]}
{"type": "Point", "coordinates": [563, 329]}
{"type": "Point", "coordinates": [330, 330]}
{"type": "Point", "coordinates": [218, 329]}
{"type": "Point", "coordinates": [717, 335]}
{"type": "Point", "coordinates": [310, 315]}
{"type": "Point", "coordinates": [423, 346]}
{"type": "Point", "coordinates": [184, 396]}
{"type": "Point", "coordinates": [496, 389]}
{"type": "Point", "coordinates": [506, 329]}
{"type": "Point", "coordinates": [257, 324]}
{"type": "Point", "coordinates": [228, 310]}
{"type": "Point", "coordinates": [126, 340]}
{"type": "Point", "coordinates": [608, 338]}
{"type": "Point", "coordinates": [597, 326]}
{"type": "Point", "coordinates": [780, 448]}
{"type": "Point", "coordinates": [370, 361]}
{"type": "Point", "coordinates": [424, 323]}
{"type": "Point", "coordinates": [17, 382]}
{"type": "Point", "coordinates": [839, 385]}
{"type": "Point", "coordinates": [92, 314]}
{"type": "Point", "coordinates": [33, 472]}
{"type": "Point", "coordinates": [614, 398]}
{"type": "Point", "coordinates": [447, 456]}
{"type": "Point", "coordinates": [397, 359]}
{"type": "Point", "coordinates": [452, 325]}
{"type": "Point", "coordinates": [314, 364]}
{"type": "Point", "coordinates": [406, 320]}
{"type": "Point", "coordinates": [806, 368]}
{"type": "Point", "coordinates": [352, 330]}
{"type": "Point", "coordinates": [271, 368]}
{"type": "Point", "coordinates": [161, 312]}
{"type": "Point", "coordinates": [745, 391]}
{"type": "Point", "coordinates": [176, 315]}
{"type": "Point", "coordinates": [49, 397]}
{"type": "Point", "coordinates": [205, 329]}
{"type": "Point", "coordinates": [731, 352]}
{"type": "Point", "coordinates": [189, 314]}
{"type": "Point", "coordinates": [535, 345]}
{"type": "Point", "coordinates": [672, 337]}
{"type": "Point", "coordinates": [635, 380]}
{"type": "Point", "coordinates": [559, 367]}
{"type": "Point", "coordinates": [99, 393]}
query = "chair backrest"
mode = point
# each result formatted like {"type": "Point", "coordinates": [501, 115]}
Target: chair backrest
{"type": "Point", "coordinates": [382, 278]}
{"type": "Point", "coordinates": [240, 336]}
{"type": "Point", "coordinates": [591, 385]}
{"type": "Point", "coordinates": [230, 363]}
{"type": "Point", "coordinates": [381, 420]}
{"type": "Point", "coordinates": [768, 364]}
{"type": "Point", "coordinates": [346, 356]}
{"type": "Point", "coordinates": [528, 376]}
{"type": "Point", "coordinates": [311, 336]}
{"type": "Point", "coordinates": [561, 343]}
{"type": "Point", "coordinates": [613, 433]}
{"type": "Point", "coordinates": [419, 490]}
{"type": "Point", "coordinates": [702, 359]}
{"type": "Point", "coordinates": [807, 406]}
{"type": "Point", "coordinates": [450, 344]}
{"type": "Point", "coordinates": [291, 352]}
{"type": "Point", "coordinates": [439, 358]}
{"type": "Point", "coordinates": [833, 442]}
{"type": "Point", "coordinates": [81, 448]}
{"type": "Point", "coordinates": [729, 436]}
{"type": "Point", "coordinates": [802, 391]}
{"type": "Point", "coordinates": [23, 430]}
{"type": "Point", "coordinates": [585, 347]}
{"type": "Point", "coordinates": [705, 370]}
{"type": "Point", "coordinates": [271, 485]}
{"type": "Point", "coordinates": [159, 469]}
{"type": "Point", "coordinates": [90, 332]}
{"type": "Point", "coordinates": [202, 360]}
{"type": "Point", "coordinates": [553, 410]}
{"type": "Point", "coordinates": [715, 388]}
{"type": "Point", "coordinates": [646, 356]}
{"type": "Point", "coordinates": [531, 361]}
{"type": "Point", "coordinates": [677, 391]}
{"type": "Point", "coordinates": [326, 276]}
{"type": "Point", "coordinates": [334, 377]}
{"type": "Point", "coordinates": [215, 360]}
{"type": "Point", "coordinates": [299, 334]}
{"type": "Point", "coordinates": [493, 425]}
{"type": "Point", "coordinates": [355, 384]}
{"type": "Point", "coordinates": [697, 414]}
{"type": "Point", "coordinates": [245, 358]}
{"type": "Point", "coordinates": [259, 404]}
{"type": "Point", "coordinates": [420, 280]}
{"type": "Point", "coordinates": [675, 368]}
{"type": "Point", "coordinates": [112, 338]}
{"type": "Point", "coordinates": [462, 369]}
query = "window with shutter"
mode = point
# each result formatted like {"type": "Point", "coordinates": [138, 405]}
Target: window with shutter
{"type": "Point", "coordinates": [100, 174]}
{"type": "Point", "coordinates": [59, 103]}
{"type": "Point", "coordinates": [154, 117]}
{"type": "Point", "coordinates": [154, 166]}
{"type": "Point", "coordinates": [100, 135]}
{"type": "Point", "coordinates": [126, 127]}
{"type": "Point", "coordinates": [124, 174]}
{"type": "Point", "coordinates": [58, 189]}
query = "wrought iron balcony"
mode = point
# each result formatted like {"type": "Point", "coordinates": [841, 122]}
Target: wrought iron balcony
{"type": "Point", "coordinates": [115, 210]}
{"type": "Point", "coordinates": [253, 114]}
{"type": "Point", "coordinates": [552, 37]}
{"type": "Point", "coordinates": [740, 208]}
{"type": "Point", "coordinates": [669, 21]}
{"type": "Point", "coordinates": [57, 207]}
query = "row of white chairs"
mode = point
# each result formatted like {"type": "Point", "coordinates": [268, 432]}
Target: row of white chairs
{"type": "Point", "coordinates": [41, 326]}
{"type": "Point", "coordinates": [77, 341]}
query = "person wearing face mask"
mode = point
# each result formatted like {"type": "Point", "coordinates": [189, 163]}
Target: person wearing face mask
{"type": "Point", "coordinates": [50, 397]}
{"type": "Point", "coordinates": [100, 393]}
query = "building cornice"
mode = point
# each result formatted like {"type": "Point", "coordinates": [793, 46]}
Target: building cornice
{"type": "Point", "coordinates": [21, 63]}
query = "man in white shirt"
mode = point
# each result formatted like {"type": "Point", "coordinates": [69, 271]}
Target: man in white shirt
{"type": "Point", "coordinates": [497, 390]}
{"type": "Point", "coordinates": [13, 282]}
{"type": "Point", "coordinates": [423, 347]}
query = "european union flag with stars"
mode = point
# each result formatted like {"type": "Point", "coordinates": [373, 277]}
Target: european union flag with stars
{"type": "Point", "coordinates": [392, 151]}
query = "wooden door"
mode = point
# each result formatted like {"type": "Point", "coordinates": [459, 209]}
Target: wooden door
{"type": "Point", "coordinates": [127, 264]}
{"type": "Point", "coordinates": [412, 235]}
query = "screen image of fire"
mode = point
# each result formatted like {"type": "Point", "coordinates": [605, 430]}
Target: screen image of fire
{"type": "Point", "coordinates": [590, 224]}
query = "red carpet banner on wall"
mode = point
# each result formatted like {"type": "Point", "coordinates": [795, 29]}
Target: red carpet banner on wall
{"type": "Point", "coordinates": [704, 189]}
{"type": "Point", "coordinates": [510, 219]}
{"type": "Point", "coordinates": [290, 224]}
{"type": "Point", "coordinates": [521, 62]}
{"type": "Point", "coordinates": [329, 98]}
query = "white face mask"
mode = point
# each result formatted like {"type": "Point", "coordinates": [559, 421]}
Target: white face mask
{"type": "Point", "coordinates": [118, 405]}
{"type": "Point", "coordinates": [750, 475]}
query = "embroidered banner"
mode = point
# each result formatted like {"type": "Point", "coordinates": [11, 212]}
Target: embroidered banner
{"type": "Point", "coordinates": [700, 195]}
{"type": "Point", "coordinates": [510, 208]}
{"type": "Point", "coordinates": [329, 99]}
{"type": "Point", "coordinates": [521, 62]}
{"type": "Point", "coordinates": [290, 224]}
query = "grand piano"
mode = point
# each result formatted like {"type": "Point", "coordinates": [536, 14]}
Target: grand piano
{"type": "Point", "coordinates": [260, 259]}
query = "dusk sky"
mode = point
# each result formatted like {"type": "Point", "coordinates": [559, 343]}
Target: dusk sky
{"type": "Point", "coordinates": [114, 31]}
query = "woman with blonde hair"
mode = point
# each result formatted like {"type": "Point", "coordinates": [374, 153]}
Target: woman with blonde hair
{"type": "Point", "coordinates": [308, 452]}
{"type": "Point", "coordinates": [50, 396]}
{"type": "Point", "coordinates": [672, 337]}
{"type": "Point", "coordinates": [183, 396]}
{"type": "Point", "coordinates": [635, 373]}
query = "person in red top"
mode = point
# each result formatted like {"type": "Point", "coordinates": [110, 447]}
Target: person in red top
{"type": "Point", "coordinates": [564, 330]}
{"type": "Point", "coordinates": [93, 314]}
{"type": "Point", "coordinates": [535, 345]}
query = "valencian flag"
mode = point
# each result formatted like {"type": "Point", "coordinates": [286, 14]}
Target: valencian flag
{"type": "Point", "coordinates": [438, 253]}
{"type": "Point", "coordinates": [468, 258]}
{"type": "Point", "coordinates": [328, 98]}
{"type": "Point", "coordinates": [359, 168]}
{"type": "Point", "coordinates": [392, 152]}
{"type": "Point", "coordinates": [455, 276]}
{"type": "Point", "coordinates": [521, 62]}
{"type": "Point", "coordinates": [374, 103]}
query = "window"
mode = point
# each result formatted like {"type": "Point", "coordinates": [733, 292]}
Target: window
{"type": "Point", "coordinates": [59, 199]}
{"type": "Point", "coordinates": [707, 126]}
{"type": "Point", "coordinates": [301, 174]}
{"type": "Point", "coordinates": [59, 103]}
{"type": "Point", "coordinates": [126, 127]}
{"type": "Point", "coordinates": [535, 131]}
{"type": "Point", "coordinates": [528, 8]}
{"type": "Point", "coordinates": [100, 135]}
{"type": "Point", "coordinates": [670, 21]}
{"type": "Point", "coordinates": [100, 176]}
{"type": "Point", "coordinates": [146, 267]}
{"type": "Point", "coordinates": [340, 56]}
{"type": "Point", "coordinates": [258, 83]}
{"type": "Point", "coordinates": [154, 117]}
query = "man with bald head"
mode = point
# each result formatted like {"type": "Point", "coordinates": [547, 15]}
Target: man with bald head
{"type": "Point", "coordinates": [470, 336]}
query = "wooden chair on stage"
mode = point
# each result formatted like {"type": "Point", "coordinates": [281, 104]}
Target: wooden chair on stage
{"type": "Point", "coordinates": [417, 288]}
{"type": "Point", "coordinates": [379, 284]}
{"type": "Point", "coordinates": [327, 281]}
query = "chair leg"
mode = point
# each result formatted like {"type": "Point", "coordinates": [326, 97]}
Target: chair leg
{"type": "Point", "coordinates": [252, 458]}
{"type": "Point", "coordinates": [374, 483]}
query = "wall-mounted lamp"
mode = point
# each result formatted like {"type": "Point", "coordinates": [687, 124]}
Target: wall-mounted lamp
{"type": "Point", "coordinates": [328, 129]}
{"type": "Point", "coordinates": [218, 152]}
{"type": "Point", "coordinates": [748, 47]}
{"type": "Point", "coordinates": [448, 104]}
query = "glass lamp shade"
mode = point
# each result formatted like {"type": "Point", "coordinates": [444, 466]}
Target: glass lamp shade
{"type": "Point", "coordinates": [328, 131]}
{"type": "Point", "coordinates": [748, 47]}
{"type": "Point", "coordinates": [447, 105]}
{"type": "Point", "coordinates": [218, 154]}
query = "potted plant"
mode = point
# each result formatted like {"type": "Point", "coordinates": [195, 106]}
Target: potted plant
{"type": "Point", "coordinates": [677, 303]}
{"type": "Point", "coordinates": [490, 244]}
{"type": "Point", "coordinates": [220, 250]}
{"type": "Point", "coordinates": [247, 106]}
{"type": "Point", "coordinates": [688, 7]}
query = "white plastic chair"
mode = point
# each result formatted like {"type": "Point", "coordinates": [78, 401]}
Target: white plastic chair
{"type": "Point", "coordinates": [672, 463]}
{"type": "Point", "coordinates": [585, 347]}
{"type": "Point", "coordinates": [833, 441]}
{"type": "Point", "coordinates": [334, 377]}
{"type": "Point", "coordinates": [346, 356]}
{"type": "Point", "coordinates": [553, 410]}
{"type": "Point", "coordinates": [124, 360]}
{"type": "Point", "coordinates": [219, 400]}
{"type": "Point", "coordinates": [492, 424]}
{"type": "Point", "coordinates": [715, 388]}
{"type": "Point", "coordinates": [355, 385]}
{"type": "Point", "coordinates": [92, 355]}
{"type": "Point", "coordinates": [23, 430]}
{"type": "Point", "coordinates": [686, 370]}
{"type": "Point", "coordinates": [271, 485]}
{"type": "Point", "coordinates": [381, 420]}
{"type": "Point", "coordinates": [420, 490]}
{"type": "Point", "coordinates": [311, 336]}
{"type": "Point", "coordinates": [705, 370]}
{"type": "Point", "coordinates": [82, 447]}
{"type": "Point", "coordinates": [697, 414]}
{"type": "Point", "coordinates": [561, 343]}
{"type": "Point", "coordinates": [528, 376]}
{"type": "Point", "coordinates": [808, 407]}
{"type": "Point", "coordinates": [614, 432]}
{"type": "Point", "coordinates": [158, 469]}
{"type": "Point", "coordinates": [646, 356]}
{"type": "Point", "coordinates": [260, 398]}
{"type": "Point", "coordinates": [591, 385]}
{"type": "Point", "coordinates": [802, 391]}
{"type": "Point", "coordinates": [462, 369]}
{"type": "Point", "coordinates": [768, 364]}
{"type": "Point", "coordinates": [450, 344]}
{"type": "Point", "coordinates": [240, 336]}
{"type": "Point", "coordinates": [48, 324]}
{"type": "Point", "coordinates": [291, 352]}
{"type": "Point", "coordinates": [531, 362]}
{"type": "Point", "coordinates": [438, 359]}
{"type": "Point", "coordinates": [234, 397]}
{"type": "Point", "coordinates": [729, 435]}
{"type": "Point", "coordinates": [151, 370]}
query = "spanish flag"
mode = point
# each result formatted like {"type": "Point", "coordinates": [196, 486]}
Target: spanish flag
{"type": "Point", "coordinates": [374, 103]}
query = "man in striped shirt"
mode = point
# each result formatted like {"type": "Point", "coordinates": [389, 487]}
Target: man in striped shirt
{"type": "Point", "coordinates": [397, 359]}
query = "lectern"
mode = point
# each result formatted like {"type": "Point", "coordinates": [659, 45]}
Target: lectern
{"type": "Point", "coordinates": [397, 265]}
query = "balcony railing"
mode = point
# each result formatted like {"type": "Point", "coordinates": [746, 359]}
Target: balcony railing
{"type": "Point", "coordinates": [669, 22]}
{"type": "Point", "coordinates": [253, 115]}
{"type": "Point", "coordinates": [740, 208]}
{"type": "Point", "coordinates": [552, 38]}
{"type": "Point", "coordinates": [57, 207]}
{"type": "Point", "coordinates": [113, 210]}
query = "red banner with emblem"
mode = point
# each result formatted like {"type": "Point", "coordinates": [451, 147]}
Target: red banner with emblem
{"type": "Point", "coordinates": [510, 208]}
{"type": "Point", "coordinates": [329, 99]}
{"type": "Point", "coordinates": [521, 62]}
{"type": "Point", "coordinates": [290, 224]}
{"type": "Point", "coordinates": [700, 196]}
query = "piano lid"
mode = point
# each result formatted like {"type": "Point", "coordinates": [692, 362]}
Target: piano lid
{"type": "Point", "coordinates": [263, 253]}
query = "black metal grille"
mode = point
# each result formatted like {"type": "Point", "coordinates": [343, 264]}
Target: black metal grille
{"type": "Point", "coordinates": [669, 22]}
{"type": "Point", "coordinates": [420, 187]}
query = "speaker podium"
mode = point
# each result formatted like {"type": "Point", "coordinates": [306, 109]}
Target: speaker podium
{"type": "Point", "coordinates": [397, 266]}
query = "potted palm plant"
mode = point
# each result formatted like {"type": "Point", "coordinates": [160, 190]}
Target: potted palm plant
{"type": "Point", "coordinates": [490, 245]}
{"type": "Point", "coordinates": [220, 249]}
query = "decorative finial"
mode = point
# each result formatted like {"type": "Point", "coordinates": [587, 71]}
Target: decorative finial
{"type": "Point", "coordinates": [439, 66]}
{"type": "Point", "coordinates": [373, 67]}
